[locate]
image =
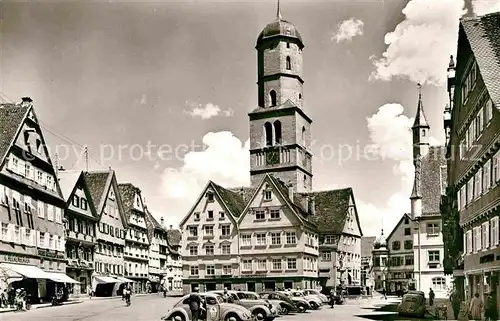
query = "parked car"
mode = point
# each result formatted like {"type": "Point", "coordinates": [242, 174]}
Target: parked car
{"type": "Point", "coordinates": [302, 304]}
{"type": "Point", "coordinates": [287, 305]}
{"type": "Point", "coordinates": [254, 296]}
{"type": "Point", "coordinates": [260, 309]}
{"type": "Point", "coordinates": [217, 310]}
{"type": "Point", "coordinates": [412, 304]}
{"type": "Point", "coordinates": [313, 300]}
{"type": "Point", "coordinates": [317, 293]}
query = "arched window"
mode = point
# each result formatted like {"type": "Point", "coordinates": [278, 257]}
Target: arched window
{"type": "Point", "coordinates": [268, 133]}
{"type": "Point", "coordinates": [277, 132]}
{"type": "Point", "coordinates": [303, 136]}
{"type": "Point", "coordinates": [272, 98]}
{"type": "Point", "coordinates": [288, 63]}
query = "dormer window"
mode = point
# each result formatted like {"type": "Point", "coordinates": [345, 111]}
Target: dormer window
{"type": "Point", "coordinates": [76, 201]}
{"type": "Point", "coordinates": [268, 195]}
{"type": "Point", "coordinates": [210, 196]}
{"type": "Point", "coordinates": [210, 215]}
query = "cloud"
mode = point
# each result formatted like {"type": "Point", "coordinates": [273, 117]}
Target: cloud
{"type": "Point", "coordinates": [420, 46]}
{"type": "Point", "coordinates": [482, 7]}
{"type": "Point", "coordinates": [348, 29]}
{"type": "Point", "coordinates": [226, 161]}
{"type": "Point", "coordinates": [143, 100]}
{"type": "Point", "coordinates": [207, 111]}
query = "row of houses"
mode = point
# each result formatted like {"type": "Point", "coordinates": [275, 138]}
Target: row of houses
{"type": "Point", "coordinates": [74, 227]}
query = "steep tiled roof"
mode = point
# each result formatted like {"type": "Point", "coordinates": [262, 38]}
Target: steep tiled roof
{"type": "Point", "coordinates": [483, 34]}
{"type": "Point", "coordinates": [234, 201]}
{"type": "Point", "coordinates": [430, 181]}
{"type": "Point", "coordinates": [11, 118]}
{"type": "Point", "coordinates": [331, 208]}
{"type": "Point", "coordinates": [97, 183]}
{"type": "Point", "coordinates": [127, 195]}
{"type": "Point", "coordinates": [67, 182]}
{"type": "Point", "coordinates": [367, 245]}
{"type": "Point", "coordinates": [174, 237]}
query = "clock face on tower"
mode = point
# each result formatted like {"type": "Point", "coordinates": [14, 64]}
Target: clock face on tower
{"type": "Point", "coordinates": [272, 157]}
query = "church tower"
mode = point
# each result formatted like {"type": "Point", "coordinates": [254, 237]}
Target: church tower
{"type": "Point", "coordinates": [280, 130]}
{"type": "Point", "coordinates": [420, 131]}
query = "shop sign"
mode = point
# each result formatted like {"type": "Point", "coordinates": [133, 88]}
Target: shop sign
{"type": "Point", "coordinates": [50, 255]}
{"type": "Point", "coordinates": [16, 259]}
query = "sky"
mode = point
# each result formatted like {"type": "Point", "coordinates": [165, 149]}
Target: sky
{"type": "Point", "coordinates": [160, 91]}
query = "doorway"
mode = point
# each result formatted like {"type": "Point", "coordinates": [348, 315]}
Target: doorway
{"type": "Point", "coordinates": [227, 286]}
{"type": "Point", "coordinates": [251, 286]}
{"type": "Point", "coordinates": [288, 285]}
{"type": "Point", "coordinates": [269, 286]}
{"type": "Point", "coordinates": [210, 286]}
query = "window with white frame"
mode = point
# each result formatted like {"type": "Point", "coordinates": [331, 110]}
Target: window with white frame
{"type": "Point", "coordinates": [275, 238]}
{"type": "Point", "coordinates": [210, 270]}
{"type": "Point", "coordinates": [495, 168]}
{"type": "Point", "coordinates": [58, 215]}
{"type": "Point", "coordinates": [226, 230]}
{"type": "Point", "coordinates": [209, 230]}
{"type": "Point", "coordinates": [477, 183]}
{"type": "Point", "coordinates": [226, 249]}
{"type": "Point", "coordinates": [477, 238]}
{"type": "Point", "coordinates": [268, 195]}
{"type": "Point", "coordinates": [291, 238]}
{"type": "Point", "coordinates": [463, 196]}
{"type": "Point", "coordinates": [470, 190]}
{"type": "Point", "coordinates": [329, 239]}
{"type": "Point", "coordinates": [227, 269]}
{"type": "Point", "coordinates": [439, 283]}
{"type": "Point", "coordinates": [246, 265]}
{"type": "Point", "coordinates": [485, 229]}
{"type": "Point", "coordinates": [262, 265]}
{"type": "Point", "coordinates": [261, 238]}
{"type": "Point", "coordinates": [291, 263]}
{"type": "Point", "coordinates": [274, 213]}
{"type": "Point", "coordinates": [326, 256]}
{"type": "Point", "coordinates": [246, 240]}
{"type": "Point", "coordinates": [433, 228]}
{"type": "Point", "coordinates": [488, 111]}
{"type": "Point", "coordinates": [194, 270]}
{"type": "Point", "coordinates": [193, 250]}
{"type": "Point", "coordinates": [209, 249]}
{"type": "Point", "coordinates": [50, 212]}
{"type": "Point", "coordinates": [466, 246]}
{"type": "Point", "coordinates": [260, 215]}
{"type": "Point", "coordinates": [486, 176]}
{"type": "Point", "coordinates": [17, 234]}
{"type": "Point", "coordinates": [494, 231]}
{"type": "Point", "coordinates": [433, 256]}
{"type": "Point", "coordinates": [193, 231]}
{"type": "Point", "coordinates": [28, 240]}
{"type": "Point", "coordinates": [276, 264]}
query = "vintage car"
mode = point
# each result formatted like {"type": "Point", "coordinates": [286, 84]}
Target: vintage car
{"type": "Point", "coordinates": [317, 293]}
{"type": "Point", "coordinates": [216, 308]}
{"type": "Point", "coordinates": [301, 303]}
{"type": "Point", "coordinates": [413, 304]}
{"type": "Point", "coordinates": [313, 300]}
{"type": "Point", "coordinates": [279, 305]}
{"type": "Point", "coordinates": [286, 304]}
{"type": "Point", "coordinates": [260, 309]}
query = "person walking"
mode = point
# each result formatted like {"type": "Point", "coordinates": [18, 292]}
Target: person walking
{"type": "Point", "coordinates": [195, 304]}
{"type": "Point", "coordinates": [384, 293]}
{"type": "Point", "coordinates": [225, 296]}
{"type": "Point", "coordinates": [431, 297]}
{"type": "Point", "coordinates": [332, 298]}
{"type": "Point", "coordinates": [491, 313]}
{"type": "Point", "coordinates": [4, 302]}
{"type": "Point", "coordinates": [476, 307]}
{"type": "Point", "coordinates": [455, 303]}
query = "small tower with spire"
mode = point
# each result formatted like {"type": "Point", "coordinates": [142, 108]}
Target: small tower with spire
{"type": "Point", "coordinates": [416, 195]}
{"type": "Point", "coordinates": [420, 130]}
{"type": "Point", "coordinates": [451, 95]}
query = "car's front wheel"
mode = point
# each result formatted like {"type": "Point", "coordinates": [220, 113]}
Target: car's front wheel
{"type": "Point", "coordinates": [284, 310]}
{"type": "Point", "coordinates": [232, 317]}
{"type": "Point", "coordinates": [301, 307]}
{"type": "Point", "coordinates": [314, 305]}
{"type": "Point", "coordinates": [259, 314]}
{"type": "Point", "coordinates": [177, 317]}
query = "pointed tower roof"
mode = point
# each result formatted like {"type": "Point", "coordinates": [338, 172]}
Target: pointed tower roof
{"type": "Point", "coordinates": [416, 191]}
{"type": "Point", "coordinates": [280, 28]}
{"type": "Point", "coordinates": [420, 120]}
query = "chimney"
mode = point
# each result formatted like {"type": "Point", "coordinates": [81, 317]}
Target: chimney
{"type": "Point", "coordinates": [290, 190]}
{"type": "Point", "coordinates": [162, 221]}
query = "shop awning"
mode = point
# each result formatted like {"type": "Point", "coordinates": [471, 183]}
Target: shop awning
{"type": "Point", "coordinates": [61, 277]}
{"type": "Point", "coordinates": [106, 279]}
{"type": "Point", "coordinates": [124, 280]}
{"type": "Point", "coordinates": [28, 271]}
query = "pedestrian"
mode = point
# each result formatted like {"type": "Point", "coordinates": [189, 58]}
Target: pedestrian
{"type": "Point", "coordinates": [89, 291]}
{"type": "Point", "coordinates": [455, 303]}
{"type": "Point", "coordinates": [476, 308]}
{"type": "Point", "coordinates": [225, 296]}
{"type": "Point", "coordinates": [195, 304]}
{"type": "Point", "coordinates": [384, 293]}
{"type": "Point", "coordinates": [431, 297]}
{"type": "Point", "coordinates": [332, 298]}
{"type": "Point", "coordinates": [491, 313]}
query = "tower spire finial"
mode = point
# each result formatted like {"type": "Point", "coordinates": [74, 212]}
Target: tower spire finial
{"type": "Point", "coordinates": [419, 90]}
{"type": "Point", "coordinates": [278, 11]}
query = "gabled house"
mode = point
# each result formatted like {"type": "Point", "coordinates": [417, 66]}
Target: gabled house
{"type": "Point", "coordinates": [471, 207]}
{"type": "Point", "coordinates": [80, 220]}
{"type": "Point", "coordinates": [165, 264]}
{"type": "Point", "coordinates": [32, 239]}
{"type": "Point", "coordinates": [111, 232]}
{"type": "Point", "coordinates": [137, 242]}
{"type": "Point", "coordinates": [367, 281]}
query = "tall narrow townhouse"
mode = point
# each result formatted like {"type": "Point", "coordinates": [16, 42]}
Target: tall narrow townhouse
{"type": "Point", "coordinates": [80, 223]}
{"type": "Point", "coordinates": [367, 281]}
{"type": "Point", "coordinates": [278, 240]}
{"type": "Point", "coordinates": [174, 259]}
{"type": "Point", "coordinates": [108, 277]}
{"type": "Point", "coordinates": [31, 206]}
{"type": "Point", "coordinates": [472, 124]}
{"type": "Point", "coordinates": [210, 239]}
{"type": "Point", "coordinates": [137, 240]}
